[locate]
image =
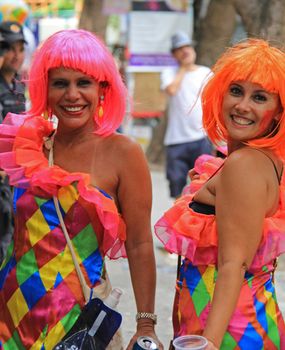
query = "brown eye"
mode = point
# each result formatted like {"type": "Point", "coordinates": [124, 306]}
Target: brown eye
{"type": "Point", "coordinates": [59, 83]}
{"type": "Point", "coordinates": [235, 90]}
{"type": "Point", "coordinates": [84, 82]}
{"type": "Point", "coordinates": [260, 98]}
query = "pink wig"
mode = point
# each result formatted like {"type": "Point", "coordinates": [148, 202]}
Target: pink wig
{"type": "Point", "coordinates": [83, 51]}
{"type": "Point", "coordinates": [256, 61]}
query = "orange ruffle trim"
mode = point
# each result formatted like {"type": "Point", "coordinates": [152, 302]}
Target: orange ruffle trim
{"type": "Point", "coordinates": [21, 156]}
{"type": "Point", "coordinates": [194, 235]}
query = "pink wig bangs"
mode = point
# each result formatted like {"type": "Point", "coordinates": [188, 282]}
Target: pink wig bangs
{"type": "Point", "coordinates": [83, 51]}
{"type": "Point", "coordinates": [253, 60]}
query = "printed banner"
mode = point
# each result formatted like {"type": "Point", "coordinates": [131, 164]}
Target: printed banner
{"type": "Point", "coordinates": [149, 38]}
{"type": "Point", "coordinates": [167, 5]}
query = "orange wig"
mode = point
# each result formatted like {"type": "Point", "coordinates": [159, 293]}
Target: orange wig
{"type": "Point", "coordinates": [256, 61]}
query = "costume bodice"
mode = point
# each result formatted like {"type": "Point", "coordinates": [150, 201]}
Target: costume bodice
{"type": "Point", "coordinates": [194, 235]}
{"type": "Point", "coordinates": [256, 322]}
{"type": "Point", "coordinates": [39, 285]}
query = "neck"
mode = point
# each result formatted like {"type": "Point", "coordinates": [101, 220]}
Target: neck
{"type": "Point", "coordinates": [70, 139]}
{"type": "Point", "coordinates": [234, 145]}
{"type": "Point", "coordinates": [190, 67]}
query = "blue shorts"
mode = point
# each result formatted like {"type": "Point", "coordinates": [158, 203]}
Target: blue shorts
{"type": "Point", "coordinates": [180, 158]}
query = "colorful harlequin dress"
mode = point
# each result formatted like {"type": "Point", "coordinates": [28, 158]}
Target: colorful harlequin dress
{"type": "Point", "coordinates": [257, 323]}
{"type": "Point", "coordinates": [40, 294]}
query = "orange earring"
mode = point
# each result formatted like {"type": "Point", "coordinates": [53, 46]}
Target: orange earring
{"type": "Point", "coordinates": [47, 114]}
{"type": "Point", "coordinates": [101, 110]}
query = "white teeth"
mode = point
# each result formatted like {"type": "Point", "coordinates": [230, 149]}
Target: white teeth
{"type": "Point", "coordinates": [241, 121]}
{"type": "Point", "coordinates": [73, 109]}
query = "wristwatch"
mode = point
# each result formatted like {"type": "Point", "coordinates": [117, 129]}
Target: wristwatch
{"type": "Point", "coordinates": [149, 315]}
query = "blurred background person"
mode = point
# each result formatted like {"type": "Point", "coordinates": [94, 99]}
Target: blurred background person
{"type": "Point", "coordinates": [185, 139]}
{"type": "Point", "coordinates": [12, 99]}
{"type": "Point", "coordinates": [12, 90]}
{"type": "Point", "coordinates": [6, 227]}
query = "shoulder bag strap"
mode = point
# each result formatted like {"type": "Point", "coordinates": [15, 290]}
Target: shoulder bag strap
{"type": "Point", "coordinates": [85, 288]}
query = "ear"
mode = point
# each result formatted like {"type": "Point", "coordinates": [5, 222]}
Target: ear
{"type": "Point", "coordinates": [102, 87]}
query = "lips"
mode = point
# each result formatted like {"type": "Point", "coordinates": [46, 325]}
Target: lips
{"type": "Point", "coordinates": [241, 120]}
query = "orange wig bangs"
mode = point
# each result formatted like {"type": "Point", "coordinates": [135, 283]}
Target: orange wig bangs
{"type": "Point", "coordinates": [253, 60]}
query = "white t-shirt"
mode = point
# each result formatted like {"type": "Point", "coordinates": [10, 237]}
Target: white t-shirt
{"type": "Point", "coordinates": [184, 108]}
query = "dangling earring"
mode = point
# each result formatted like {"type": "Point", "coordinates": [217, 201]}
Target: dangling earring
{"type": "Point", "coordinates": [101, 110]}
{"type": "Point", "coordinates": [47, 114]}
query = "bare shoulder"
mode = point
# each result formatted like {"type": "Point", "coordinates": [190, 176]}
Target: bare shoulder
{"type": "Point", "coordinates": [120, 144]}
{"type": "Point", "coordinates": [251, 164]}
{"type": "Point", "coordinates": [122, 150]}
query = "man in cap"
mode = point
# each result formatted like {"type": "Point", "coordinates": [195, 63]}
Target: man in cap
{"type": "Point", "coordinates": [4, 46]}
{"type": "Point", "coordinates": [12, 99]}
{"type": "Point", "coordinates": [12, 91]}
{"type": "Point", "coordinates": [185, 139]}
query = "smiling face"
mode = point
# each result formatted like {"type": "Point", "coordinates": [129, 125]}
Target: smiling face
{"type": "Point", "coordinates": [249, 111]}
{"type": "Point", "coordinates": [73, 97]}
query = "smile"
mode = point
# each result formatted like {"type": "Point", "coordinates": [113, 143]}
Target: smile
{"type": "Point", "coordinates": [73, 109]}
{"type": "Point", "coordinates": [241, 120]}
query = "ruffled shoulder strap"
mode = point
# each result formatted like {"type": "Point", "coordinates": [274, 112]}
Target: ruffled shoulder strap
{"type": "Point", "coordinates": [206, 166]}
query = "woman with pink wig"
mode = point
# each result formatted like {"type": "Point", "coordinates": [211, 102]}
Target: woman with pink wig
{"type": "Point", "coordinates": [79, 176]}
{"type": "Point", "coordinates": [232, 228]}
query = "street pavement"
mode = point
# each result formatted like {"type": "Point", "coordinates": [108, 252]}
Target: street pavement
{"type": "Point", "coordinates": [166, 274]}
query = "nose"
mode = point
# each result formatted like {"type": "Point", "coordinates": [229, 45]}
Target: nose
{"type": "Point", "coordinates": [243, 105]}
{"type": "Point", "coordinates": [15, 52]}
{"type": "Point", "coordinates": [72, 93]}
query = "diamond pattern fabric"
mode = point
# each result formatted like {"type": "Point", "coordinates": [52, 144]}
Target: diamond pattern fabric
{"type": "Point", "coordinates": [257, 322]}
{"type": "Point", "coordinates": [40, 293]}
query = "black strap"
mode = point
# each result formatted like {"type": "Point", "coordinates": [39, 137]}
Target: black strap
{"type": "Point", "coordinates": [274, 165]}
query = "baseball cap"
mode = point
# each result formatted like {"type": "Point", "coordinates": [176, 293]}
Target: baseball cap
{"type": "Point", "coordinates": [180, 39]}
{"type": "Point", "coordinates": [11, 32]}
{"type": "Point", "coordinates": [4, 46]}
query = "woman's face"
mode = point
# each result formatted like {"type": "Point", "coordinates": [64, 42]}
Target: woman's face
{"type": "Point", "coordinates": [73, 97]}
{"type": "Point", "coordinates": [249, 111]}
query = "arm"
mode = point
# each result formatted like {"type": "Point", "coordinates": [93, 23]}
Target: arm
{"type": "Point", "coordinates": [241, 206]}
{"type": "Point", "coordinates": [135, 200]}
{"type": "Point", "coordinates": [173, 87]}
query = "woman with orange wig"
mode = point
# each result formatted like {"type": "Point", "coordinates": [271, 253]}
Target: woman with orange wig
{"type": "Point", "coordinates": [232, 229]}
{"type": "Point", "coordinates": [75, 177]}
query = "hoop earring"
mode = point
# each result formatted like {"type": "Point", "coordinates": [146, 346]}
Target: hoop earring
{"type": "Point", "coordinates": [101, 110]}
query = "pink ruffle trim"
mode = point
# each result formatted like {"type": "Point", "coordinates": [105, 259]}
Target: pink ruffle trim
{"type": "Point", "coordinates": [22, 158]}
